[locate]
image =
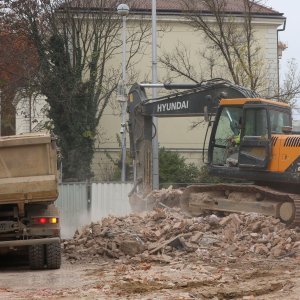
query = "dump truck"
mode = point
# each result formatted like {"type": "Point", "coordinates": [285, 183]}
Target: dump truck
{"type": "Point", "coordinates": [249, 138]}
{"type": "Point", "coordinates": [29, 219]}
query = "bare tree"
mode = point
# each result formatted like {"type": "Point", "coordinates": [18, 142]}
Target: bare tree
{"type": "Point", "coordinates": [230, 38]}
{"type": "Point", "coordinates": [178, 62]}
{"type": "Point", "coordinates": [290, 87]}
{"type": "Point", "coordinates": [78, 44]}
{"type": "Point", "coordinates": [181, 64]}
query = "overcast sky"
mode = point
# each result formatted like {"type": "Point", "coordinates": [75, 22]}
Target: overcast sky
{"type": "Point", "coordinates": [291, 10]}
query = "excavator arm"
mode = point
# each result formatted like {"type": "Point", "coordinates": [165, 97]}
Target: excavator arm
{"type": "Point", "coordinates": [196, 100]}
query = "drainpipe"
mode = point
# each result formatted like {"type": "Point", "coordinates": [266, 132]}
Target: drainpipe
{"type": "Point", "coordinates": [278, 77]}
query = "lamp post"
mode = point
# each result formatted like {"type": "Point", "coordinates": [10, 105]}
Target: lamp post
{"type": "Point", "coordinates": [123, 10]}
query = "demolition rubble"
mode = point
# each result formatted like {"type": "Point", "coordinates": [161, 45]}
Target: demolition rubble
{"type": "Point", "coordinates": [165, 234]}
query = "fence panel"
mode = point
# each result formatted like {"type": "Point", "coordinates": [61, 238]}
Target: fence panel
{"type": "Point", "coordinates": [73, 204]}
{"type": "Point", "coordinates": [78, 206]}
{"type": "Point", "coordinates": [110, 199]}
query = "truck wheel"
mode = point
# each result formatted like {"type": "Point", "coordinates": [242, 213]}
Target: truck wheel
{"type": "Point", "coordinates": [36, 257]}
{"type": "Point", "coordinates": [53, 255]}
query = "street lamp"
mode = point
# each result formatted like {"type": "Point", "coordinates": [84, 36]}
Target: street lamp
{"type": "Point", "coordinates": [123, 11]}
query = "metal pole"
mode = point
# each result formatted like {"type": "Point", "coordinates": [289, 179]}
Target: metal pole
{"type": "Point", "coordinates": [123, 10]}
{"type": "Point", "coordinates": [30, 104]}
{"type": "Point", "coordinates": [124, 103]}
{"type": "Point", "coordinates": [0, 113]}
{"type": "Point", "coordinates": [155, 154]}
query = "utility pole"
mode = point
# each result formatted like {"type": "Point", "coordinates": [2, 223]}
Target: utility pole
{"type": "Point", "coordinates": [123, 10]}
{"type": "Point", "coordinates": [0, 113]}
{"type": "Point", "coordinates": [155, 151]}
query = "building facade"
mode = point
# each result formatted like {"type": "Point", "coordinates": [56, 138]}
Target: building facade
{"type": "Point", "coordinates": [176, 32]}
{"type": "Point", "coordinates": [177, 35]}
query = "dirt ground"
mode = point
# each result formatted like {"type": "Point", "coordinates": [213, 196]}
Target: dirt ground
{"type": "Point", "coordinates": [164, 254]}
{"type": "Point", "coordinates": [192, 278]}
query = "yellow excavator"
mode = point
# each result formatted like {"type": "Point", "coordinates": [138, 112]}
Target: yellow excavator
{"type": "Point", "coordinates": [250, 138]}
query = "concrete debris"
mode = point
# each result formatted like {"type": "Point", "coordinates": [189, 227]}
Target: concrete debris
{"type": "Point", "coordinates": [158, 198]}
{"type": "Point", "coordinates": [166, 234]}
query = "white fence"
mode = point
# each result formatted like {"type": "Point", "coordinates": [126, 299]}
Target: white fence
{"type": "Point", "coordinates": [83, 203]}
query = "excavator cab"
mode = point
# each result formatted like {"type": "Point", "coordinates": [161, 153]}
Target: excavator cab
{"type": "Point", "coordinates": [242, 135]}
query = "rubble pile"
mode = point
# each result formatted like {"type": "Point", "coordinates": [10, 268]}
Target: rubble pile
{"type": "Point", "coordinates": [165, 234]}
{"type": "Point", "coordinates": [157, 198]}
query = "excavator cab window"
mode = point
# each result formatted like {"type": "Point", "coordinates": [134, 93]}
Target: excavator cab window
{"type": "Point", "coordinates": [279, 120]}
{"type": "Point", "coordinates": [254, 152]}
{"type": "Point", "coordinates": [256, 123]}
{"type": "Point", "coordinates": [227, 135]}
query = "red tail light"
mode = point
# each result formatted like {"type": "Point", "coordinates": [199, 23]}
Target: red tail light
{"type": "Point", "coordinates": [42, 220]}
{"type": "Point", "coordinates": [45, 220]}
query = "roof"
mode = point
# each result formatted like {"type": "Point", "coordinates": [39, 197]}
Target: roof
{"type": "Point", "coordinates": [242, 101]}
{"type": "Point", "coordinates": [171, 6]}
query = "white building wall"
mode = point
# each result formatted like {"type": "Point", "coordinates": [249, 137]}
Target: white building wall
{"type": "Point", "coordinates": [272, 57]}
{"type": "Point", "coordinates": [31, 117]}
{"type": "Point", "coordinates": [176, 133]}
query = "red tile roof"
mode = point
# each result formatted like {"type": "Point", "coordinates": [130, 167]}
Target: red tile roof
{"type": "Point", "coordinates": [171, 6]}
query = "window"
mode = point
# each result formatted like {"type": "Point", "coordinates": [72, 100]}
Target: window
{"type": "Point", "coordinates": [229, 126]}
{"type": "Point", "coordinates": [256, 122]}
{"type": "Point", "coordinates": [278, 120]}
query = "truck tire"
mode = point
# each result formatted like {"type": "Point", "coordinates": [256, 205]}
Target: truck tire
{"type": "Point", "coordinates": [36, 257]}
{"type": "Point", "coordinates": [53, 255]}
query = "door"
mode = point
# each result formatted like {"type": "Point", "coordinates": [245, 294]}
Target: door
{"type": "Point", "coordinates": [225, 136]}
{"type": "Point", "coordinates": [255, 146]}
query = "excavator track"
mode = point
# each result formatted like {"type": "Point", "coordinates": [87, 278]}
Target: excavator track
{"type": "Point", "coordinates": [242, 198]}
{"type": "Point", "coordinates": [296, 200]}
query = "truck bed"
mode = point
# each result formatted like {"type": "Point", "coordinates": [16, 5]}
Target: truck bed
{"type": "Point", "coordinates": [28, 169]}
